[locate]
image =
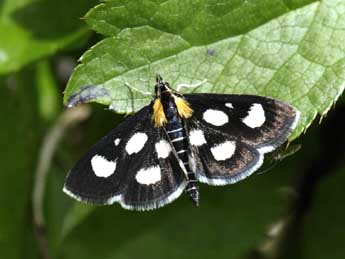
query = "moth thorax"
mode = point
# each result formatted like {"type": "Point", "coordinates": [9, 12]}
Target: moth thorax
{"type": "Point", "coordinates": [158, 116]}
{"type": "Point", "coordinates": [183, 107]}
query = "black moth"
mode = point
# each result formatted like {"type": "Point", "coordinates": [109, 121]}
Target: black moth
{"type": "Point", "coordinates": [175, 142]}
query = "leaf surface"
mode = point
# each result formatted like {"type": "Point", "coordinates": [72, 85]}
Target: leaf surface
{"type": "Point", "coordinates": [293, 52]}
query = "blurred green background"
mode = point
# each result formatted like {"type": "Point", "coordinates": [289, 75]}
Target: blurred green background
{"type": "Point", "coordinates": [294, 210]}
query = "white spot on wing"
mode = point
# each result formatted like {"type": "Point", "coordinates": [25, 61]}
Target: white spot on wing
{"type": "Point", "coordinates": [197, 138]}
{"type": "Point", "coordinates": [149, 175]}
{"type": "Point", "coordinates": [215, 117]}
{"type": "Point", "coordinates": [102, 167]}
{"type": "Point", "coordinates": [117, 141]}
{"type": "Point", "coordinates": [163, 149]}
{"type": "Point", "coordinates": [229, 105]}
{"type": "Point", "coordinates": [136, 143]}
{"type": "Point", "coordinates": [223, 151]}
{"type": "Point", "coordinates": [256, 116]}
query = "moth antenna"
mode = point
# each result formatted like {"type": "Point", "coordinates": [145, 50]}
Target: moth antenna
{"type": "Point", "coordinates": [139, 91]}
{"type": "Point", "coordinates": [180, 86]}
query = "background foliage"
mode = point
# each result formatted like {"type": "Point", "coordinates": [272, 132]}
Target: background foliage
{"type": "Point", "coordinates": [292, 50]}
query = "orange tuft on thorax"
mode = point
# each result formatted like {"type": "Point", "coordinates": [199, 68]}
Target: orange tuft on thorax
{"type": "Point", "coordinates": [158, 116]}
{"type": "Point", "coordinates": [183, 107]}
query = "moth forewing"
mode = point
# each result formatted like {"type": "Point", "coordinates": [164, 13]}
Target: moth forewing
{"type": "Point", "coordinates": [160, 152]}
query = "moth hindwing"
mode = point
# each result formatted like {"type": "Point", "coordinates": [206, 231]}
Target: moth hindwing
{"type": "Point", "coordinates": [175, 142]}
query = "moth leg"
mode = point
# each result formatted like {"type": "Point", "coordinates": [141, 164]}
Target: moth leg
{"type": "Point", "coordinates": [180, 86]}
{"type": "Point", "coordinates": [139, 91]}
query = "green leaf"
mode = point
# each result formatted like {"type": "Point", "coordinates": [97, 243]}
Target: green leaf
{"type": "Point", "coordinates": [292, 51]}
{"type": "Point", "coordinates": [326, 219]}
{"type": "Point", "coordinates": [49, 96]}
{"type": "Point", "coordinates": [55, 207]}
{"type": "Point", "coordinates": [199, 22]}
{"type": "Point", "coordinates": [77, 213]}
{"type": "Point", "coordinates": [31, 29]}
{"type": "Point", "coordinates": [19, 133]}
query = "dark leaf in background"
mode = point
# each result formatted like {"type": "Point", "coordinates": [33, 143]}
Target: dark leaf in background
{"type": "Point", "coordinates": [19, 142]}
{"type": "Point", "coordinates": [323, 235]}
{"type": "Point", "coordinates": [30, 30]}
{"type": "Point", "coordinates": [36, 17]}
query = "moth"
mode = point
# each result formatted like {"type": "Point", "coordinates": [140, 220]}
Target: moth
{"type": "Point", "coordinates": [176, 142]}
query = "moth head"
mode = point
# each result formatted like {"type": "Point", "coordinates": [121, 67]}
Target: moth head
{"type": "Point", "coordinates": [161, 86]}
